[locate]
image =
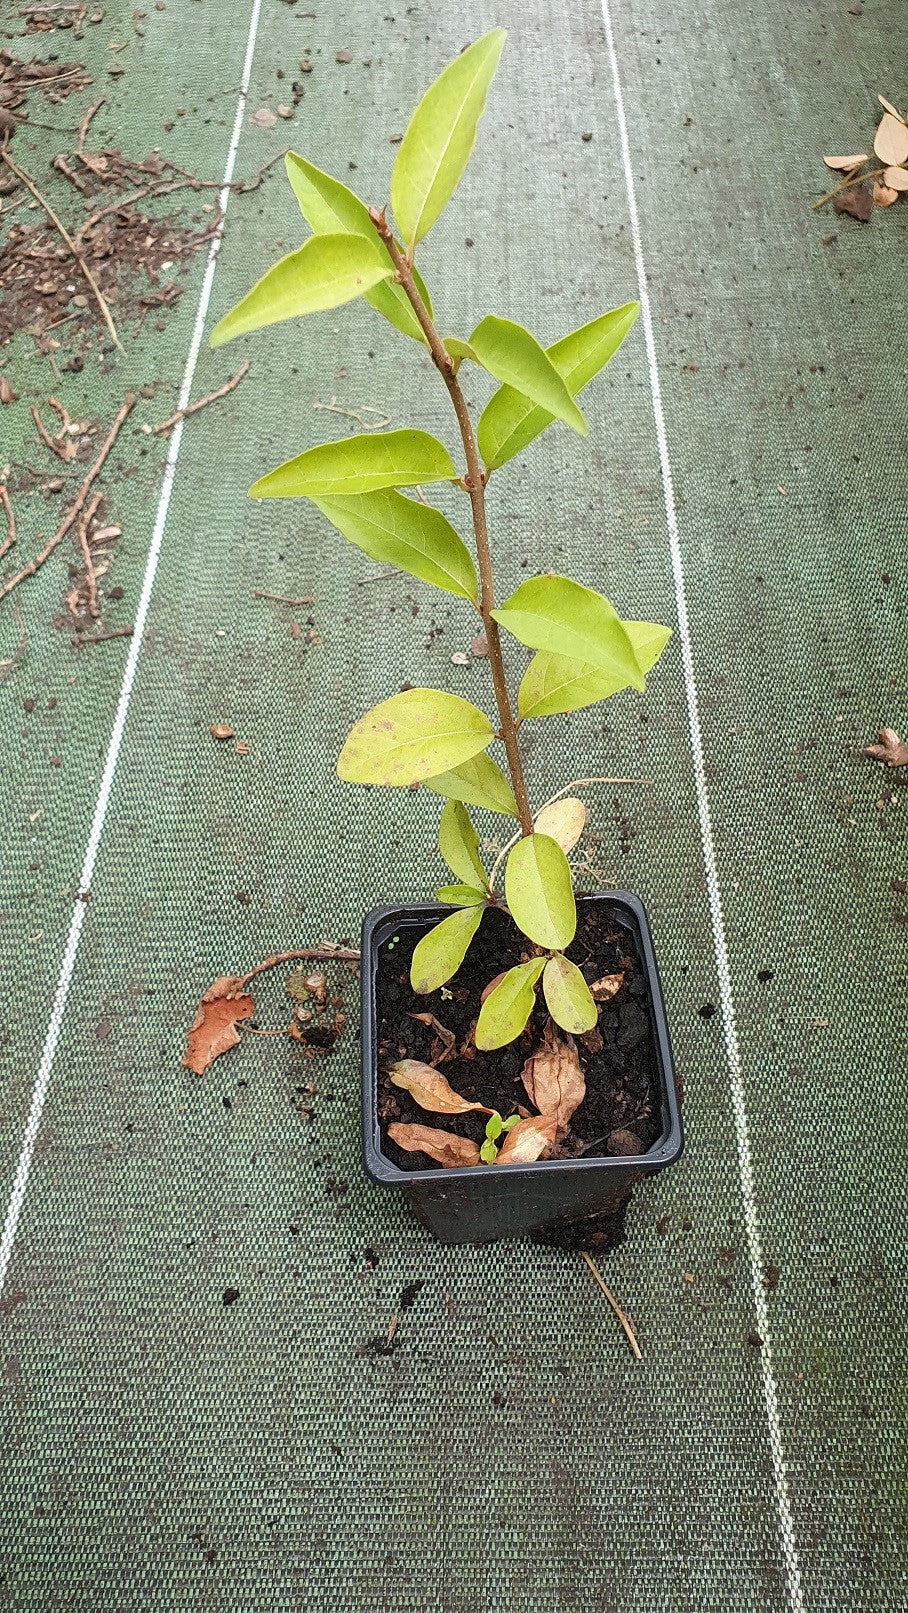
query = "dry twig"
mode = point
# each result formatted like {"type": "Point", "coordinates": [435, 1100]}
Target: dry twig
{"type": "Point", "coordinates": [84, 522]}
{"type": "Point", "coordinates": [350, 414]}
{"type": "Point", "coordinates": [10, 538]}
{"type": "Point", "coordinates": [81, 639]}
{"type": "Point", "coordinates": [283, 599]}
{"type": "Point", "coordinates": [193, 408]}
{"type": "Point", "coordinates": [614, 1304]}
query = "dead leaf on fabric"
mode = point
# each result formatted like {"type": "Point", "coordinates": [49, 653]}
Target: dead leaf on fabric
{"type": "Point", "coordinates": [529, 1140]}
{"type": "Point", "coordinates": [891, 139]}
{"type": "Point", "coordinates": [442, 1146]}
{"type": "Point", "coordinates": [220, 730]}
{"type": "Point", "coordinates": [602, 991]}
{"type": "Point", "coordinates": [553, 1078]}
{"type": "Point", "coordinates": [891, 750]}
{"type": "Point", "coordinates": [884, 195]}
{"type": "Point", "coordinates": [430, 1090]}
{"type": "Point", "coordinates": [844, 165]}
{"type": "Point", "coordinates": [897, 178]}
{"type": "Point", "coordinates": [213, 1031]}
{"type": "Point", "coordinates": [858, 203]}
{"type": "Point", "coordinates": [888, 107]}
{"type": "Point", "coordinates": [445, 1045]}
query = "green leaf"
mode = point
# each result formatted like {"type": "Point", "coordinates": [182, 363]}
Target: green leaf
{"type": "Point", "coordinates": [329, 207]}
{"type": "Point", "coordinates": [458, 843]}
{"type": "Point", "coordinates": [436, 147]}
{"type": "Point", "coordinates": [480, 782]}
{"type": "Point", "coordinates": [510, 421]}
{"type": "Point", "coordinates": [461, 895]}
{"type": "Point", "coordinates": [568, 996]}
{"type": "Point", "coordinates": [512, 1120]}
{"type": "Point", "coordinates": [538, 891]}
{"type": "Point", "coordinates": [457, 349]}
{"type": "Point", "coordinates": [494, 1127]}
{"type": "Point", "coordinates": [555, 683]}
{"type": "Point", "coordinates": [554, 613]}
{"type": "Point", "coordinates": [359, 465]}
{"type": "Point", "coordinates": [402, 532]}
{"type": "Point", "coordinates": [488, 1153]}
{"type": "Point", "coordinates": [508, 1007]}
{"type": "Point", "coordinates": [512, 355]}
{"type": "Point", "coordinates": [327, 271]}
{"type": "Point", "coordinates": [413, 736]}
{"type": "Point", "coordinates": [439, 955]}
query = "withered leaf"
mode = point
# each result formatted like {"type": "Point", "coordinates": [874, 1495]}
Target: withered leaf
{"type": "Point", "coordinates": [891, 139]}
{"type": "Point", "coordinates": [447, 1039]}
{"type": "Point", "coordinates": [430, 1090]}
{"type": "Point", "coordinates": [214, 1030]}
{"type": "Point", "coordinates": [563, 820]}
{"type": "Point", "coordinates": [891, 750]}
{"type": "Point", "coordinates": [7, 395]}
{"type": "Point", "coordinates": [896, 178]}
{"type": "Point", "coordinates": [884, 195]}
{"type": "Point", "coordinates": [529, 1140]}
{"type": "Point", "coordinates": [553, 1078]}
{"type": "Point", "coordinates": [844, 165]}
{"type": "Point", "coordinates": [602, 991]}
{"type": "Point", "coordinates": [442, 1146]}
{"type": "Point", "coordinates": [888, 107]}
{"type": "Point", "coordinates": [857, 202]}
{"type": "Point", "coordinates": [487, 990]}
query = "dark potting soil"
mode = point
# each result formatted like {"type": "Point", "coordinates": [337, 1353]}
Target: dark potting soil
{"type": "Point", "coordinates": [621, 1111]}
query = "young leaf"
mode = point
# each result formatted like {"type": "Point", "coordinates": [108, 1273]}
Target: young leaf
{"type": "Point", "coordinates": [554, 683]}
{"type": "Point", "coordinates": [440, 953]}
{"type": "Point", "coordinates": [568, 996]}
{"type": "Point", "coordinates": [327, 271]}
{"type": "Point", "coordinates": [430, 1090]}
{"type": "Point", "coordinates": [494, 1126]}
{"type": "Point", "coordinates": [399, 531]}
{"type": "Point", "coordinates": [461, 895]}
{"type": "Point", "coordinates": [436, 147]}
{"type": "Point", "coordinates": [458, 843]}
{"type": "Point", "coordinates": [458, 349]}
{"type": "Point", "coordinates": [530, 1139]}
{"type": "Point", "coordinates": [562, 820]}
{"type": "Point", "coordinates": [329, 207]}
{"type": "Point", "coordinates": [359, 465]}
{"type": "Point", "coordinates": [480, 782]}
{"type": "Point", "coordinates": [554, 613]}
{"type": "Point", "coordinates": [515, 357]}
{"type": "Point", "coordinates": [510, 421]}
{"type": "Point", "coordinates": [554, 1080]}
{"type": "Point", "coordinates": [508, 1006]}
{"type": "Point", "coordinates": [445, 1147]}
{"type": "Point", "coordinates": [488, 1153]}
{"type": "Point", "coordinates": [413, 736]}
{"type": "Point", "coordinates": [538, 890]}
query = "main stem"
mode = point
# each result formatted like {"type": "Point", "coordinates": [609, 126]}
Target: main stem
{"type": "Point", "coordinates": [475, 486]}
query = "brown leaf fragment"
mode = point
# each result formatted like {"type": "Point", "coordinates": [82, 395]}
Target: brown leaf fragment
{"type": "Point", "coordinates": [487, 990]}
{"type": "Point", "coordinates": [264, 118]}
{"type": "Point", "coordinates": [214, 1030]}
{"type": "Point", "coordinates": [844, 165]}
{"type": "Point", "coordinates": [446, 1041]}
{"type": "Point", "coordinates": [896, 178]}
{"type": "Point", "coordinates": [553, 1078]}
{"type": "Point", "coordinates": [430, 1090]}
{"type": "Point", "coordinates": [529, 1140]}
{"type": "Point", "coordinates": [7, 395]}
{"type": "Point", "coordinates": [602, 991]}
{"type": "Point", "coordinates": [857, 202]}
{"type": "Point", "coordinates": [891, 139]}
{"type": "Point", "coordinates": [891, 750]}
{"type": "Point", "coordinates": [884, 195]}
{"type": "Point", "coordinates": [442, 1146]}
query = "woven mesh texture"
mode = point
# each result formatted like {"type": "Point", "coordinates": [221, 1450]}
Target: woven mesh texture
{"type": "Point", "coordinates": [164, 1450]}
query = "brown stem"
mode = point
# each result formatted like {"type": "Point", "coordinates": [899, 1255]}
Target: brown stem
{"type": "Point", "coordinates": [324, 954]}
{"type": "Point", "coordinates": [474, 482]}
{"type": "Point", "coordinates": [855, 177]}
{"type": "Point", "coordinates": [193, 408]}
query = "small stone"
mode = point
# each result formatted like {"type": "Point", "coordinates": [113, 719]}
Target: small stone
{"type": "Point", "coordinates": [305, 65]}
{"type": "Point", "coordinates": [586, 138]}
{"type": "Point", "coordinates": [285, 111]}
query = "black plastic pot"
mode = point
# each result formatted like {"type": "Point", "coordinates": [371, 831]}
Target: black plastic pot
{"type": "Point", "coordinates": [477, 1204]}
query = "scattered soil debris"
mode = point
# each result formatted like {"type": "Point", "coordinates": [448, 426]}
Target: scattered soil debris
{"type": "Point", "coordinates": [227, 1003]}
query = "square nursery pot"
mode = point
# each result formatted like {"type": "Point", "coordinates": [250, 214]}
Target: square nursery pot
{"type": "Point", "coordinates": [578, 1201]}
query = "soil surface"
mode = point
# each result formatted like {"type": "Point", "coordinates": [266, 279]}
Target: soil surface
{"type": "Point", "coordinates": [620, 1113]}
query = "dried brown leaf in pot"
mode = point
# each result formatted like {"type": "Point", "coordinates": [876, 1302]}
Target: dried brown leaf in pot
{"type": "Point", "coordinates": [529, 1140]}
{"type": "Point", "coordinates": [844, 165]}
{"type": "Point", "coordinates": [430, 1090]}
{"type": "Point", "coordinates": [891, 139]}
{"type": "Point", "coordinates": [553, 1078]}
{"type": "Point", "coordinates": [602, 991]}
{"type": "Point", "coordinates": [443, 1146]}
{"type": "Point", "coordinates": [445, 1045]}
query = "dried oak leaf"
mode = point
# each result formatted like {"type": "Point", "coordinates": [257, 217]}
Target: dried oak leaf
{"type": "Point", "coordinates": [857, 202]}
{"type": "Point", "coordinates": [430, 1090]}
{"type": "Point", "coordinates": [529, 1140]}
{"type": "Point", "coordinates": [553, 1078]}
{"type": "Point", "coordinates": [214, 1030]}
{"type": "Point", "coordinates": [445, 1045]}
{"type": "Point", "coordinates": [442, 1146]}
{"type": "Point", "coordinates": [891, 750]}
{"type": "Point", "coordinates": [602, 991]}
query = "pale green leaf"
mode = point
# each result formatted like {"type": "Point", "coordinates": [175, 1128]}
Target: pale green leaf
{"type": "Point", "coordinates": [568, 996]}
{"type": "Point", "coordinates": [538, 891]}
{"type": "Point", "coordinates": [514, 356]}
{"type": "Point", "coordinates": [359, 465]}
{"type": "Point", "coordinates": [436, 147]}
{"type": "Point", "coordinates": [329, 207]}
{"type": "Point", "coordinates": [413, 736]}
{"type": "Point", "coordinates": [488, 1153]}
{"type": "Point", "coordinates": [494, 1127]}
{"type": "Point", "coordinates": [555, 683]}
{"type": "Point", "coordinates": [555, 613]}
{"type": "Point", "coordinates": [458, 349]}
{"type": "Point", "coordinates": [480, 782]}
{"type": "Point", "coordinates": [508, 1006]}
{"type": "Point", "coordinates": [563, 820]}
{"type": "Point", "coordinates": [403, 532]}
{"type": "Point", "coordinates": [458, 843]}
{"type": "Point", "coordinates": [327, 271]}
{"type": "Point", "coordinates": [510, 421]}
{"type": "Point", "coordinates": [439, 954]}
{"type": "Point", "coordinates": [461, 895]}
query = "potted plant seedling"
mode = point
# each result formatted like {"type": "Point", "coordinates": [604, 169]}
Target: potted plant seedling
{"type": "Point", "coordinates": [517, 1074]}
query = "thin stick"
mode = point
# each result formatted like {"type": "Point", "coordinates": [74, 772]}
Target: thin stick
{"type": "Point", "coordinates": [65, 450]}
{"type": "Point", "coordinates": [575, 784]}
{"type": "Point", "coordinates": [283, 599]}
{"type": "Point", "coordinates": [85, 520]}
{"type": "Point", "coordinates": [83, 128]}
{"type": "Point", "coordinates": [29, 183]}
{"type": "Point", "coordinates": [193, 408]}
{"type": "Point", "coordinates": [10, 538]}
{"type": "Point", "coordinates": [614, 1304]}
{"type": "Point", "coordinates": [855, 177]}
{"type": "Point", "coordinates": [367, 425]}
{"type": "Point", "coordinates": [323, 954]}
{"type": "Point", "coordinates": [72, 513]}
{"type": "Point", "coordinates": [81, 639]}
{"type": "Point", "coordinates": [10, 662]}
